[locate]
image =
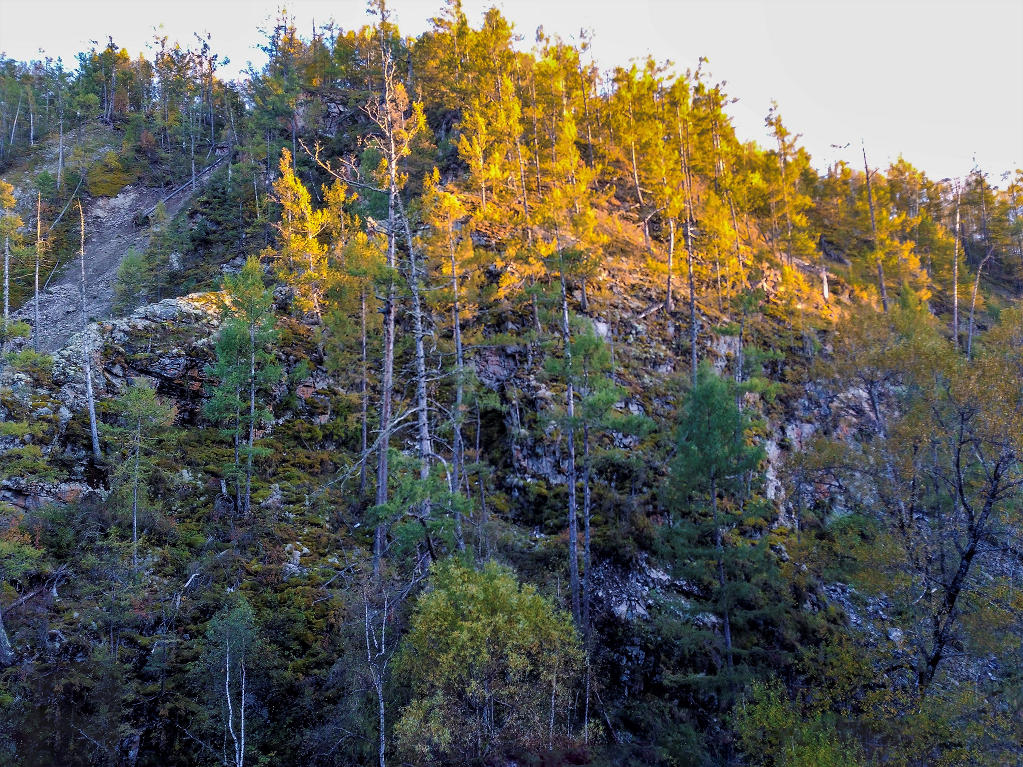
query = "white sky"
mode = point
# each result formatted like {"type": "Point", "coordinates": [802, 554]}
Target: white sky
{"type": "Point", "coordinates": [937, 81]}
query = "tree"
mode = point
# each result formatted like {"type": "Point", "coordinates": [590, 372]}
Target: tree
{"type": "Point", "coordinates": [302, 260]}
{"type": "Point", "coordinates": [142, 418]}
{"type": "Point", "coordinates": [937, 467]}
{"type": "Point", "coordinates": [86, 342]}
{"type": "Point", "coordinates": [490, 663]}
{"type": "Point", "coordinates": [131, 288]}
{"type": "Point", "coordinates": [228, 651]}
{"type": "Point", "coordinates": [449, 247]}
{"type": "Point", "coordinates": [710, 505]}
{"type": "Point", "coordinates": [789, 202]}
{"type": "Point", "coordinates": [778, 732]}
{"type": "Point", "coordinates": [569, 247]}
{"type": "Point", "coordinates": [245, 369]}
{"type": "Point", "coordinates": [398, 121]}
{"type": "Point", "coordinates": [18, 557]}
{"type": "Point", "coordinates": [10, 223]}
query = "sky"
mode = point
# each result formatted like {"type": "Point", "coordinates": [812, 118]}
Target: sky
{"type": "Point", "coordinates": [936, 81]}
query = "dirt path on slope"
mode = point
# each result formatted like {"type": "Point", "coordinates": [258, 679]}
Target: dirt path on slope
{"type": "Point", "coordinates": [110, 234]}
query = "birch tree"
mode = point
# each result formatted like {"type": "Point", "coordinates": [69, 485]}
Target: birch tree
{"type": "Point", "coordinates": [86, 341]}
{"type": "Point", "coordinates": [229, 647]}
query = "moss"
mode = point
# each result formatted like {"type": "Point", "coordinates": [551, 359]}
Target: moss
{"type": "Point", "coordinates": [109, 176]}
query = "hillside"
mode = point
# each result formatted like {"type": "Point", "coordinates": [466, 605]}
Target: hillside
{"type": "Point", "coordinates": [445, 403]}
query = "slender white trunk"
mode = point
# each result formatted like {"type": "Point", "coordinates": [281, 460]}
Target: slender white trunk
{"type": "Point", "coordinates": [135, 497]}
{"type": "Point", "coordinates": [17, 112]}
{"type": "Point", "coordinates": [86, 350]}
{"type": "Point", "coordinates": [692, 302]}
{"type": "Point", "coordinates": [973, 304]}
{"type": "Point", "coordinates": [191, 136]}
{"type": "Point", "coordinates": [60, 144]}
{"type": "Point", "coordinates": [456, 416]}
{"type": "Point", "coordinates": [955, 276]}
{"type": "Point", "coordinates": [425, 447]}
{"type": "Point", "coordinates": [573, 524]}
{"type": "Point", "coordinates": [387, 383]}
{"type": "Point", "coordinates": [668, 305]}
{"type": "Point", "coordinates": [241, 705]}
{"type": "Point", "coordinates": [873, 229]}
{"type": "Point", "coordinates": [230, 704]}
{"type": "Point", "coordinates": [252, 417]}
{"type": "Point", "coordinates": [36, 328]}
{"type": "Point", "coordinates": [364, 394]}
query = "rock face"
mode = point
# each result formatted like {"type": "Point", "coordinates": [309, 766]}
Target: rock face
{"type": "Point", "coordinates": [111, 232]}
{"type": "Point", "coordinates": [168, 343]}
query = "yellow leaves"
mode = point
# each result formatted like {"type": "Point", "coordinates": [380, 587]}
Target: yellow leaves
{"type": "Point", "coordinates": [6, 195]}
{"type": "Point", "coordinates": [302, 257]}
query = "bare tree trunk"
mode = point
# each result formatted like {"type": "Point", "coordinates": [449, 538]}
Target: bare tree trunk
{"type": "Point", "coordinates": [135, 497]}
{"type": "Point", "coordinates": [873, 229]}
{"type": "Point", "coordinates": [252, 418]}
{"type": "Point", "coordinates": [681, 127]}
{"type": "Point", "coordinates": [692, 302]}
{"type": "Point", "coordinates": [241, 705]}
{"type": "Point", "coordinates": [955, 275]}
{"type": "Point", "coordinates": [86, 351]}
{"type": "Point", "coordinates": [239, 755]}
{"type": "Point", "coordinates": [376, 661]}
{"type": "Point", "coordinates": [36, 326]}
{"type": "Point", "coordinates": [10, 144]}
{"type": "Point", "coordinates": [573, 525]}
{"type": "Point", "coordinates": [387, 383]}
{"type": "Point", "coordinates": [191, 136]}
{"type": "Point", "coordinates": [536, 134]}
{"type": "Point", "coordinates": [973, 304]}
{"type": "Point", "coordinates": [669, 305]}
{"type": "Point", "coordinates": [425, 444]}
{"type": "Point", "coordinates": [6, 651]}
{"type": "Point", "coordinates": [60, 142]}
{"type": "Point", "coordinates": [364, 394]}
{"type": "Point", "coordinates": [456, 416]}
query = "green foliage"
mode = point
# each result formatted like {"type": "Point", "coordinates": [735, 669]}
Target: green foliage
{"type": "Point", "coordinates": [775, 732]}
{"type": "Point", "coordinates": [131, 288]}
{"type": "Point", "coordinates": [245, 369]}
{"type": "Point", "coordinates": [486, 658]}
{"type": "Point", "coordinates": [109, 176]}
{"type": "Point", "coordinates": [716, 630]}
{"type": "Point", "coordinates": [545, 195]}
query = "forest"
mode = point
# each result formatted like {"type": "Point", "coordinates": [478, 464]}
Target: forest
{"type": "Point", "coordinates": [451, 400]}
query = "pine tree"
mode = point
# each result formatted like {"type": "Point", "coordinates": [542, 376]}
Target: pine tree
{"type": "Point", "coordinates": [245, 370]}
{"type": "Point", "coordinates": [705, 541]}
{"type": "Point", "coordinates": [302, 259]}
{"type": "Point", "coordinates": [143, 418]}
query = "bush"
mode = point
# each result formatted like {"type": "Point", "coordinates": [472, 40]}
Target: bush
{"type": "Point", "coordinates": [109, 176]}
{"type": "Point", "coordinates": [484, 657]}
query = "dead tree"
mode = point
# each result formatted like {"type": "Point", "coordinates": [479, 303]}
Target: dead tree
{"type": "Point", "coordinates": [86, 345]}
